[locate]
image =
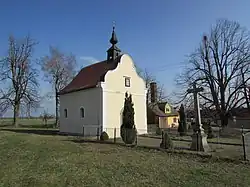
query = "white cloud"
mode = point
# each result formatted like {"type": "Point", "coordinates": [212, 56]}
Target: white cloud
{"type": "Point", "coordinates": [86, 61]}
{"type": "Point", "coordinates": [89, 60]}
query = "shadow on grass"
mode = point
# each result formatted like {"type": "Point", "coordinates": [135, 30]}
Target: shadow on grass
{"type": "Point", "coordinates": [34, 131]}
{"type": "Point", "coordinates": [126, 145]}
{"type": "Point", "coordinates": [185, 140]}
{"type": "Point", "coordinates": [206, 157]}
{"type": "Point", "coordinates": [29, 126]}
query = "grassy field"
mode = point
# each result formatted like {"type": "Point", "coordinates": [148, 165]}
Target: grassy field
{"type": "Point", "coordinates": [25, 122]}
{"type": "Point", "coordinates": [39, 160]}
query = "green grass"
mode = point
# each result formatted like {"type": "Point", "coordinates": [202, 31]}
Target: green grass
{"type": "Point", "coordinates": [39, 160]}
{"type": "Point", "coordinates": [29, 123]}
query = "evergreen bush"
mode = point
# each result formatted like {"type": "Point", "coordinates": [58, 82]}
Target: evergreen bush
{"type": "Point", "coordinates": [104, 136]}
{"type": "Point", "coordinates": [128, 130]}
{"type": "Point", "coordinates": [182, 128]}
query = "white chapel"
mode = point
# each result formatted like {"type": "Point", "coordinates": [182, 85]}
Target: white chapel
{"type": "Point", "coordinates": [93, 101]}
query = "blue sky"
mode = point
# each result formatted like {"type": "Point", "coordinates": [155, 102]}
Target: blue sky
{"type": "Point", "coordinates": [158, 34]}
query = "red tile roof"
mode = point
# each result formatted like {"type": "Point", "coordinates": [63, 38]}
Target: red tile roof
{"type": "Point", "coordinates": [89, 76]}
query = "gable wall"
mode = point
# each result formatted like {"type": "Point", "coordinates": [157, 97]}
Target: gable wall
{"type": "Point", "coordinates": [114, 93]}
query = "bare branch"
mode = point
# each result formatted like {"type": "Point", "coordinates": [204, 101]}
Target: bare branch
{"type": "Point", "coordinates": [59, 70]}
{"type": "Point", "coordinates": [148, 78]}
{"type": "Point", "coordinates": [221, 66]}
{"type": "Point", "coordinates": [20, 76]}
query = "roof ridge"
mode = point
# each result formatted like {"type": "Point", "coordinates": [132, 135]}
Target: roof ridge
{"type": "Point", "coordinates": [93, 64]}
{"type": "Point", "coordinates": [89, 76]}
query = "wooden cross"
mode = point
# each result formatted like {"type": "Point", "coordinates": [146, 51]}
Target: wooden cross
{"type": "Point", "coordinates": [195, 92]}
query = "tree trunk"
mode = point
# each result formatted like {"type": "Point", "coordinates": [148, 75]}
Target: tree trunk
{"type": "Point", "coordinates": [28, 111]}
{"type": "Point", "coordinates": [57, 109]}
{"type": "Point", "coordinates": [224, 120]}
{"type": "Point", "coordinates": [246, 97]}
{"type": "Point", "coordinates": [16, 114]}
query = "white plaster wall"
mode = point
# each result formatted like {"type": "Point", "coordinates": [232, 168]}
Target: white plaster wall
{"type": "Point", "coordinates": [91, 101]}
{"type": "Point", "coordinates": [114, 93]}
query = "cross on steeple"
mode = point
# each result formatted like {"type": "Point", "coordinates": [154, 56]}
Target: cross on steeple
{"type": "Point", "coordinates": [113, 52]}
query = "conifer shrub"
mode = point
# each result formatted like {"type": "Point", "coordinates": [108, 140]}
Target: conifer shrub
{"type": "Point", "coordinates": [104, 136]}
{"type": "Point", "coordinates": [128, 130]}
{"type": "Point", "coordinates": [182, 128]}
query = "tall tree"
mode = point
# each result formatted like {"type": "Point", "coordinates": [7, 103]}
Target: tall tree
{"type": "Point", "coordinates": [221, 66]}
{"type": "Point", "coordinates": [59, 69]}
{"type": "Point", "coordinates": [18, 77]}
{"type": "Point", "coordinates": [148, 78]}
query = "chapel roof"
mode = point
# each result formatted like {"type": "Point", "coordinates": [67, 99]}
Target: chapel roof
{"type": "Point", "coordinates": [90, 76]}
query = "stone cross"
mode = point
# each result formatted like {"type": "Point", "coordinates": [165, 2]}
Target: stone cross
{"type": "Point", "coordinates": [199, 138]}
{"type": "Point", "coordinates": [195, 92]}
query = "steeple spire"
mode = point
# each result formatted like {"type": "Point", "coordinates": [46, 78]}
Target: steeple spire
{"type": "Point", "coordinates": [113, 40]}
{"type": "Point", "coordinates": [113, 52]}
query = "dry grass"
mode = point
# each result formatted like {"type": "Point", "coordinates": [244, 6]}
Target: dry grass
{"type": "Point", "coordinates": [25, 122]}
{"type": "Point", "coordinates": [39, 160]}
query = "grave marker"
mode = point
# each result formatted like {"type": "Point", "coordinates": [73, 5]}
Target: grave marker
{"type": "Point", "coordinates": [247, 145]}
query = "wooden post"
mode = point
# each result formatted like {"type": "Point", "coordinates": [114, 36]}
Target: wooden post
{"type": "Point", "coordinates": [163, 139]}
{"type": "Point", "coordinates": [136, 138]}
{"type": "Point", "coordinates": [83, 131]}
{"type": "Point", "coordinates": [197, 134]}
{"type": "Point", "coordinates": [97, 133]}
{"type": "Point", "coordinates": [125, 135]}
{"type": "Point", "coordinates": [114, 135]}
{"type": "Point", "coordinates": [243, 142]}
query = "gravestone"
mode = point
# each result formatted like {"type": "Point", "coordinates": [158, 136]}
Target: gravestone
{"type": "Point", "coordinates": [247, 145]}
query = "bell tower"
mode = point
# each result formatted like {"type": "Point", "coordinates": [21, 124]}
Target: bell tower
{"type": "Point", "coordinates": [113, 52]}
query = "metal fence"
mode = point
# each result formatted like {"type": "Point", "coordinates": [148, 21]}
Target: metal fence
{"type": "Point", "coordinates": [226, 142]}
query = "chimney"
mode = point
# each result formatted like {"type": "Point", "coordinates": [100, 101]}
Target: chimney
{"type": "Point", "coordinates": [153, 92]}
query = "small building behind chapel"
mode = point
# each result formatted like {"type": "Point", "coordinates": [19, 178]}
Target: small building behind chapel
{"type": "Point", "coordinates": [160, 114]}
{"type": "Point", "coordinates": [93, 101]}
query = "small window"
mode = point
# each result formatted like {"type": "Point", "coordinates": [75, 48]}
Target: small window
{"type": "Point", "coordinates": [65, 113]}
{"type": "Point", "coordinates": [82, 112]}
{"type": "Point", "coordinates": [127, 81]}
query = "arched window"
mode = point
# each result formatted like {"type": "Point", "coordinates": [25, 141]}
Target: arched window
{"type": "Point", "coordinates": [65, 113]}
{"type": "Point", "coordinates": [82, 112]}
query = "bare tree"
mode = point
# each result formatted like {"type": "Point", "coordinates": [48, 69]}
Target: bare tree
{"type": "Point", "coordinates": [59, 69]}
{"type": "Point", "coordinates": [148, 78]}
{"type": "Point", "coordinates": [221, 66]}
{"type": "Point", "coordinates": [19, 77]}
{"type": "Point", "coordinates": [246, 88]}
